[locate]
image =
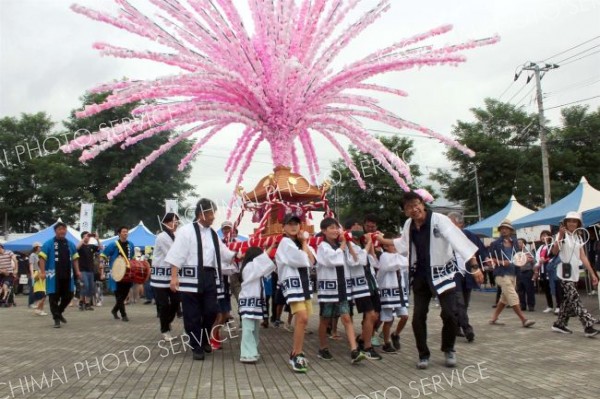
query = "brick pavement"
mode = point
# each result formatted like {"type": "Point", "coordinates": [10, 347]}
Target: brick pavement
{"type": "Point", "coordinates": [94, 356]}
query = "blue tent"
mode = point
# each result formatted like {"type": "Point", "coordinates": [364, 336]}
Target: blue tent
{"type": "Point", "coordinates": [513, 210]}
{"type": "Point", "coordinates": [583, 198]}
{"type": "Point", "coordinates": [26, 244]}
{"type": "Point", "coordinates": [591, 217]}
{"type": "Point", "coordinates": [140, 236]}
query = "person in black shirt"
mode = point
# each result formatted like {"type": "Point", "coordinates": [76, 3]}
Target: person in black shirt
{"type": "Point", "coordinates": [87, 253]}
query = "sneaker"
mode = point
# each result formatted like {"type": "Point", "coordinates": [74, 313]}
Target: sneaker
{"type": "Point", "coordinates": [372, 354]}
{"type": "Point", "coordinates": [450, 359]}
{"type": "Point", "coordinates": [288, 327]}
{"type": "Point", "coordinates": [298, 364]}
{"type": "Point", "coordinates": [89, 307]}
{"type": "Point", "coordinates": [528, 323]}
{"type": "Point", "coordinates": [422, 364]}
{"type": "Point", "coordinates": [375, 341]}
{"type": "Point", "coordinates": [249, 360]}
{"type": "Point", "coordinates": [56, 323]}
{"type": "Point", "coordinates": [99, 303]}
{"type": "Point", "coordinates": [198, 355]}
{"type": "Point", "coordinates": [214, 344]}
{"type": "Point", "coordinates": [470, 336]}
{"type": "Point", "coordinates": [114, 313]}
{"type": "Point", "coordinates": [168, 337]}
{"type": "Point", "coordinates": [562, 330]}
{"type": "Point", "coordinates": [591, 332]}
{"type": "Point", "coordinates": [388, 348]}
{"type": "Point", "coordinates": [62, 319]}
{"type": "Point", "coordinates": [325, 354]}
{"type": "Point", "coordinates": [556, 310]}
{"type": "Point", "coordinates": [396, 341]}
{"type": "Point", "coordinates": [547, 310]}
{"type": "Point", "coordinates": [357, 356]}
{"type": "Point", "coordinates": [125, 318]}
{"type": "Point", "coordinates": [276, 323]}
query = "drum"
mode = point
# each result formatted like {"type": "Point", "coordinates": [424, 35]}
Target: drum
{"type": "Point", "coordinates": [138, 272]}
{"type": "Point", "coordinates": [119, 269]}
{"type": "Point", "coordinates": [519, 259]}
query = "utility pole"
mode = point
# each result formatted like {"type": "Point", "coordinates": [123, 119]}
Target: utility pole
{"type": "Point", "coordinates": [474, 170]}
{"type": "Point", "coordinates": [537, 69]}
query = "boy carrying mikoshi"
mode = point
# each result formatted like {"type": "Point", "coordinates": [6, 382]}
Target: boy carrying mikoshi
{"type": "Point", "coordinates": [294, 258]}
{"type": "Point", "coordinates": [334, 258]}
{"type": "Point", "coordinates": [394, 295]}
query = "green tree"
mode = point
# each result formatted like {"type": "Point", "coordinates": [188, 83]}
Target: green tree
{"type": "Point", "coordinates": [382, 196]}
{"type": "Point", "coordinates": [39, 183]}
{"type": "Point", "coordinates": [507, 161]}
{"type": "Point", "coordinates": [508, 157]}
{"type": "Point", "coordinates": [21, 141]}
{"type": "Point", "coordinates": [575, 150]}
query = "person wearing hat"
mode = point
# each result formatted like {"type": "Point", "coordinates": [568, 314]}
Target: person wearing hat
{"type": "Point", "coordinates": [167, 301]}
{"type": "Point", "coordinates": [59, 264]}
{"type": "Point", "coordinates": [501, 252]}
{"type": "Point", "coordinates": [569, 246]}
{"type": "Point", "coordinates": [37, 293]}
{"type": "Point", "coordinates": [294, 258]}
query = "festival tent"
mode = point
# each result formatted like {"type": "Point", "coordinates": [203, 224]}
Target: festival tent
{"type": "Point", "coordinates": [140, 236]}
{"type": "Point", "coordinates": [583, 198]}
{"type": "Point", "coordinates": [25, 244]}
{"type": "Point", "coordinates": [513, 210]}
{"type": "Point", "coordinates": [591, 217]}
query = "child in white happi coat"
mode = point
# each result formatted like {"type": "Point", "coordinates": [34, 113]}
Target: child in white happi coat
{"type": "Point", "coordinates": [334, 261]}
{"type": "Point", "coordinates": [255, 266]}
{"type": "Point", "coordinates": [393, 291]}
{"type": "Point", "coordinates": [294, 258]}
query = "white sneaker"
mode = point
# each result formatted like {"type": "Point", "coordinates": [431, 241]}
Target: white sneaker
{"type": "Point", "coordinates": [42, 313]}
{"type": "Point", "coordinates": [556, 310]}
{"type": "Point", "coordinates": [548, 310]}
{"type": "Point", "coordinates": [99, 304]}
{"type": "Point", "coordinates": [168, 337]}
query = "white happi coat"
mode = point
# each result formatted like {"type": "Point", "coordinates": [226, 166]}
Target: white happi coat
{"type": "Point", "coordinates": [445, 240]}
{"type": "Point", "coordinates": [392, 288]}
{"type": "Point", "coordinates": [252, 296]}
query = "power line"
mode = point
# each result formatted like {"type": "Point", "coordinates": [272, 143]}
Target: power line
{"type": "Point", "coordinates": [517, 93]}
{"type": "Point", "coordinates": [578, 85]}
{"type": "Point", "coordinates": [574, 102]}
{"type": "Point", "coordinates": [569, 49]}
{"type": "Point", "coordinates": [580, 58]}
{"type": "Point", "coordinates": [576, 54]}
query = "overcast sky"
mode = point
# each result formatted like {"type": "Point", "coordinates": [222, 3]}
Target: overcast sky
{"type": "Point", "coordinates": [47, 63]}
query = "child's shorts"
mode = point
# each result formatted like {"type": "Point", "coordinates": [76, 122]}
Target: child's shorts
{"type": "Point", "coordinates": [38, 296]}
{"type": "Point", "coordinates": [302, 305]}
{"type": "Point", "coordinates": [387, 314]}
{"type": "Point", "coordinates": [330, 310]}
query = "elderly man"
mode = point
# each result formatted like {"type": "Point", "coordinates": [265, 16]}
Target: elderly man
{"type": "Point", "coordinates": [430, 241]}
{"type": "Point", "coordinates": [58, 260]}
{"type": "Point", "coordinates": [195, 258]}
{"type": "Point", "coordinates": [502, 252]}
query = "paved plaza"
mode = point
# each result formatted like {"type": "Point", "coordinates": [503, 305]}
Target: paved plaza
{"type": "Point", "coordinates": [94, 356]}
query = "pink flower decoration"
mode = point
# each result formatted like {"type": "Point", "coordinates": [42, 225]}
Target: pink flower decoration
{"type": "Point", "coordinates": [279, 81]}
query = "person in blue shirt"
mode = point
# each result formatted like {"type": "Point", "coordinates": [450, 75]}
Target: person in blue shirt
{"type": "Point", "coordinates": [502, 251]}
{"type": "Point", "coordinates": [58, 260]}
